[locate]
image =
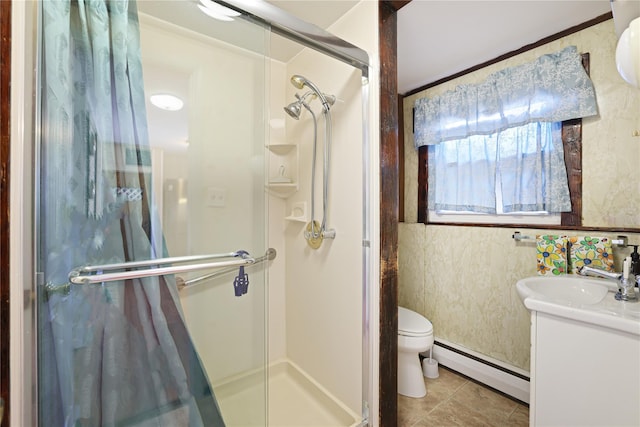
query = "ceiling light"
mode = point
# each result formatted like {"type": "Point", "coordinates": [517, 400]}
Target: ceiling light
{"type": "Point", "coordinates": [213, 14]}
{"type": "Point", "coordinates": [166, 101]}
{"type": "Point", "coordinates": [217, 7]}
{"type": "Point", "coordinates": [624, 11]}
{"type": "Point", "coordinates": [628, 54]}
{"type": "Point", "coordinates": [217, 11]}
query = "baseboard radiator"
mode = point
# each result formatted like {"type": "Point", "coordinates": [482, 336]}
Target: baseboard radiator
{"type": "Point", "coordinates": [495, 374]}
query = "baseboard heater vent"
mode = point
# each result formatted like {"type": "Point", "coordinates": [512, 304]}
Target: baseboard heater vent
{"type": "Point", "coordinates": [497, 375]}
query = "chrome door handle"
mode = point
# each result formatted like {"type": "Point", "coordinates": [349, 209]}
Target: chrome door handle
{"type": "Point", "coordinates": [83, 276]}
{"type": "Point", "coordinates": [269, 255]}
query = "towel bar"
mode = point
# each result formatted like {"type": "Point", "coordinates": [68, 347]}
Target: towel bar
{"type": "Point", "coordinates": [517, 236]}
{"type": "Point", "coordinates": [620, 240]}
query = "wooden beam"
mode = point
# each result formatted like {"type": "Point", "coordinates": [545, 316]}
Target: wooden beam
{"type": "Point", "coordinates": [388, 358]}
{"type": "Point", "coordinates": [5, 147]}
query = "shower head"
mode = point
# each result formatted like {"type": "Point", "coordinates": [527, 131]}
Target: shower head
{"type": "Point", "coordinates": [294, 109]}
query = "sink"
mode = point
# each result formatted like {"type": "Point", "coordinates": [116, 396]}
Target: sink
{"type": "Point", "coordinates": [570, 290]}
{"type": "Point", "coordinates": [584, 299]}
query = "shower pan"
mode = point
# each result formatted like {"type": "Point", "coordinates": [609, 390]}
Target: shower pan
{"type": "Point", "coordinates": [170, 289]}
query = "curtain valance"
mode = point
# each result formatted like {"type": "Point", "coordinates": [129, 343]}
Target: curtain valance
{"type": "Point", "coordinates": [553, 88]}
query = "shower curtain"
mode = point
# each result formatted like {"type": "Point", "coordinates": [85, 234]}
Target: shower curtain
{"type": "Point", "coordinates": [116, 354]}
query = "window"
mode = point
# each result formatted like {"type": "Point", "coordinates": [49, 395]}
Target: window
{"type": "Point", "coordinates": [516, 172]}
{"type": "Point", "coordinates": [498, 148]}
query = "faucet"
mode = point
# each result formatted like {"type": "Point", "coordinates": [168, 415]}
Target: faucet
{"type": "Point", "coordinates": [626, 284]}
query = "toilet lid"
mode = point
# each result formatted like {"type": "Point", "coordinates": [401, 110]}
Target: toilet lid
{"type": "Point", "coordinates": [411, 323]}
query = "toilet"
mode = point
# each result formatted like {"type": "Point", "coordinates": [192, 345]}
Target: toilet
{"type": "Point", "coordinates": [415, 335]}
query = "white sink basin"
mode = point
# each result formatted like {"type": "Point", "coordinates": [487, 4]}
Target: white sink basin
{"type": "Point", "coordinates": [580, 298]}
{"type": "Point", "coordinates": [564, 289]}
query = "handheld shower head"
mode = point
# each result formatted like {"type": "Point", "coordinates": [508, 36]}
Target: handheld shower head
{"type": "Point", "coordinates": [300, 82]}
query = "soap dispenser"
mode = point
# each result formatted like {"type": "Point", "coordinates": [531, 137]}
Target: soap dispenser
{"type": "Point", "coordinates": [635, 261]}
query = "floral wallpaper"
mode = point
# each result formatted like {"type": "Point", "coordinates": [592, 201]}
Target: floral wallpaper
{"type": "Point", "coordinates": [463, 278]}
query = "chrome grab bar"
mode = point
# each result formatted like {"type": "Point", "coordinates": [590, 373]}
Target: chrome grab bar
{"type": "Point", "coordinates": [152, 262]}
{"type": "Point", "coordinates": [79, 275]}
{"type": "Point", "coordinates": [269, 255]}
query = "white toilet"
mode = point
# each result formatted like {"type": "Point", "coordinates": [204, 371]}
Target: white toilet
{"type": "Point", "coordinates": [415, 335]}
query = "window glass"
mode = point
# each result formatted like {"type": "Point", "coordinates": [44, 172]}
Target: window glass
{"type": "Point", "coordinates": [518, 171]}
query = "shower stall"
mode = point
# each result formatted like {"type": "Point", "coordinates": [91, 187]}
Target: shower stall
{"type": "Point", "coordinates": [187, 272]}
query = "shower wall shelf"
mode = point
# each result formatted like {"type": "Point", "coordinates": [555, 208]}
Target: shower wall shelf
{"type": "Point", "coordinates": [298, 213]}
{"type": "Point", "coordinates": [301, 219]}
{"type": "Point", "coordinates": [283, 170]}
{"type": "Point", "coordinates": [282, 190]}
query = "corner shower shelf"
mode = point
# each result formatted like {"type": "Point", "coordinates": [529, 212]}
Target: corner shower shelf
{"type": "Point", "coordinates": [281, 149]}
{"type": "Point", "coordinates": [283, 162]}
{"type": "Point", "coordinates": [282, 190]}
{"type": "Point", "coordinates": [297, 219]}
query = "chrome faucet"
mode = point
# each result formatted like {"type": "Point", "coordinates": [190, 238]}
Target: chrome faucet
{"type": "Point", "coordinates": [626, 285]}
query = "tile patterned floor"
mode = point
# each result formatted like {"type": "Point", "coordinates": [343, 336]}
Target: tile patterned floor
{"type": "Point", "coordinates": [453, 400]}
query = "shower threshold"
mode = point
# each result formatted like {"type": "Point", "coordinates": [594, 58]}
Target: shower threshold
{"type": "Point", "coordinates": [294, 399]}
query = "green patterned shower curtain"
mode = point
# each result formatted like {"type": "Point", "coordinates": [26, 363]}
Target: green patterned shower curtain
{"type": "Point", "coordinates": [116, 354]}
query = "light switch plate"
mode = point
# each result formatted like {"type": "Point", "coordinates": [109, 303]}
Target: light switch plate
{"type": "Point", "coordinates": [216, 197]}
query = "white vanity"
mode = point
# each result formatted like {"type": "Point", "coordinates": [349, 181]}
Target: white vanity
{"type": "Point", "coordinates": [585, 353]}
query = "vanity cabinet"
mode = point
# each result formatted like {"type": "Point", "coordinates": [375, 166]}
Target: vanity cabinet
{"type": "Point", "coordinates": [583, 374]}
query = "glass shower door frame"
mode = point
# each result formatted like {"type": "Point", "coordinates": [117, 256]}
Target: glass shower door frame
{"type": "Point", "coordinates": [289, 27]}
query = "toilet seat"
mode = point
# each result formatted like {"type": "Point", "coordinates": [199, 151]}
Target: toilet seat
{"type": "Point", "coordinates": [415, 335]}
{"type": "Point", "coordinates": [412, 324]}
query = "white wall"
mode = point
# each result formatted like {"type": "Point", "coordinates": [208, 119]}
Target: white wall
{"type": "Point", "coordinates": [277, 336]}
{"type": "Point", "coordinates": [324, 286]}
{"type": "Point", "coordinates": [463, 278]}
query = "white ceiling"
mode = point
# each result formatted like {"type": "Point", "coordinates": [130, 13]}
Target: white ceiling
{"type": "Point", "coordinates": [321, 13]}
{"type": "Point", "coordinates": [438, 38]}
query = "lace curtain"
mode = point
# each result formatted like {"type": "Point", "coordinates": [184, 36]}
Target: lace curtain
{"type": "Point", "coordinates": [526, 161]}
{"type": "Point", "coordinates": [117, 353]}
{"type": "Point", "coordinates": [505, 132]}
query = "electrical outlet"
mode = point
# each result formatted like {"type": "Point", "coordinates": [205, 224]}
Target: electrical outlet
{"type": "Point", "coordinates": [216, 197]}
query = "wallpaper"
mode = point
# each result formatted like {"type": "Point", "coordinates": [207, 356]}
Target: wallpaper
{"type": "Point", "coordinates": [463, 278]}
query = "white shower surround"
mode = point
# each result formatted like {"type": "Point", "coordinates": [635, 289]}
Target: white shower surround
{"type": "Point", "coordinates": [314, 297]}
{"type": "Point", "coordinates": [319, 311]}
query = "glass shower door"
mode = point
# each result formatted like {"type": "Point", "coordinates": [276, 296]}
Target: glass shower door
{"type": "Point", "coordinates": [151, 222]}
